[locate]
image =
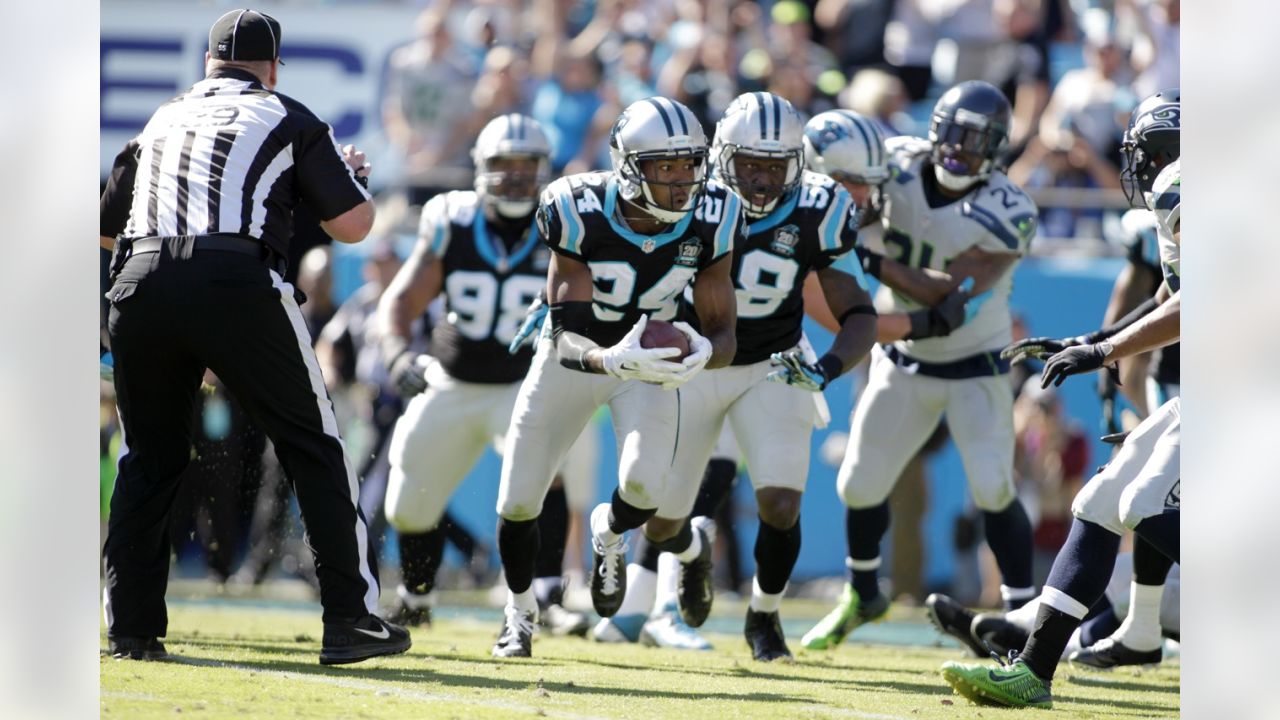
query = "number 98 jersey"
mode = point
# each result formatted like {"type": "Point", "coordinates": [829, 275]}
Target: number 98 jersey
{"type": "Point", "coordinates": [995, 216]}
{"type": "Point", "coordinates": [634, 273]}
{"type": "Point", "coordinates": [487, 288]}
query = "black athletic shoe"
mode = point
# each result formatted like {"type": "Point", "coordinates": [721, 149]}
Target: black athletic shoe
{"type": "Point", "coordinates": [764, 634]}
{"type": "Point", "coordinates": [1107, 653]}
{"type": "Point", "coordinates": [516, 639]}
{"type": "Point", "coordinates": [694, 592]}
{"type": "Point", "coordinates": [993, 631]}
{"type": "Point", "coordinates": [608, 569]}
{"type": "Point", "coordinates": [406, 616]}
{"type": "Point", "coordinates": [136, 648]}
{"type": "Point", "coordinates": [367, 637]}
{"type": "Point", "coordinates": [954, 619]}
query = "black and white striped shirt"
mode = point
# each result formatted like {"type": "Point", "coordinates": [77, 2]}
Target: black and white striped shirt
{"type": "Point", "coordinates": [227, 156]}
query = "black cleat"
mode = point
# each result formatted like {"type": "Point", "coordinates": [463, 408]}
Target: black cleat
{"type": "Point", "coordinates": [516, 639]}
{"type": "Point", "coordinates": [764, 634]}
{"type": "Point", "coordinates": [608, 570]}
{"type": "Point", "coordinates": [407, 615]}
{"type": "Point", "coordinates": [694, 592]}
{"type": "Point", "coordinates": [993, 632]}
{"type": "Point", "coordinates": [136, 648]}
{"type": "Point", "coordinates": [952, 618]}
{"type": "Point", "coordinates": [361, 639]}
{"type": "Point", "coordinates": [1107, 653]}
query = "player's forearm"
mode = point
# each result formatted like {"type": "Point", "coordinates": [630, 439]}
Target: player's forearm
{"type": "Point", "coordinates": [892, 327]}
{"type": "Point", "coordinates": [1157, 329]}
{"type": "Point", "coordinates": [578, 353]}
{"type": "Point", "coordinates": [857, 334]}
{"type": "Point", "coordinates": [922, 285]}
{"type": "Point", "coordinates": [724, 346]}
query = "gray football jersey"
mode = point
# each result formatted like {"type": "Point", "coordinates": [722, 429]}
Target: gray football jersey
{"type": "Point", "coordinates": [996, 216]}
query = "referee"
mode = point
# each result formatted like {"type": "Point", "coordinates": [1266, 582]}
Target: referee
{"type": "Point", "coordinates": [198, 209]}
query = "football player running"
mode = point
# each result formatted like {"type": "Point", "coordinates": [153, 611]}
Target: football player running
{"type": "Point", "coordinates": [626, 243]}
{"type": "Point", "coordinates": [1139, 489]}
{"type": "Point", "coordinates": [945, 206]}
{"type": "Point", "coordinates": [798, 221]}
{"type": "Point", "coordinates": [480, 250]}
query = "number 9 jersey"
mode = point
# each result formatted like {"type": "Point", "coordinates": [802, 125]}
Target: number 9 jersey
{"type": "Point", "coordinates": [995, 216]}
{"type": "Point", "coordinates": [487, 287]}
{"type": "Point", "coordinates": [633, 273]}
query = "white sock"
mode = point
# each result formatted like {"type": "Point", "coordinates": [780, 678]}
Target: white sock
{"type": "Point", "coordinates": [544, 586]}
{"type": "Point", "coordinates": [690, 553]}
{"type": "Point", "coordinates": [1141, 627]}
{"type": "Point", "coordinates": [600, 525]}
{"type": "Point", "coordinates": [524, 601]}
{"type": "Point", "coordinates": [762, 601]}
{"type": "Point", "coordinates": [640, 589]}
{"type": "Point", "coordinates": [417, 601]}
{"type": "Point", "coordinates": [1025, 616]}
{"type": "Point", "coordinates": [668, 577]}
{"type": "Point", "coordinates": [1011, 594]}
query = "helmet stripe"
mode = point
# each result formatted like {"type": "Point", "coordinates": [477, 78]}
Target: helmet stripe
{"type": "Point", "coordinates": [665, 119]}
{"type": "Point", "coordinates": [517, 127]}
{"type": "Point", "coordinates": [677, 111]}
{"type": "Point", "coordinates": [871, 154]}
{"type": "Point", "coordinates": [777, 116]}
{"type": "Point", "coordinates": [764, 130]}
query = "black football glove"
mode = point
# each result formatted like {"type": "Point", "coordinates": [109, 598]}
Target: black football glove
{"type": "Point", "coordinates": [1039, 347]}
{"type": "Point", "coordinates": [409, 373]}
{"type": "Point", "coordinates": [1075, 361]}
{"type": "Point", "coordinates": [940, 319]}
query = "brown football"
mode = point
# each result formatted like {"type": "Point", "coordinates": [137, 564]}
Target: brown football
{"type": "Point", "coordinates": [659, 333]}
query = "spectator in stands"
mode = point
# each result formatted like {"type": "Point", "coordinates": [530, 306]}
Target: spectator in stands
{"type": "Point", "coordinates": [1157, 47]}
{"type": "Point", "coordinates": [854, 31]}
{"type": "Point", "coordinates": [426, 103]}
{"type": "Point", "coordinates": [909, 39]}
{"type": "Point", "coordinates": [881, 96]}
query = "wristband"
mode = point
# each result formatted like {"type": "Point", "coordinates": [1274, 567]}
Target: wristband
{"type": "Point", "coordinates": [857, 310]}
{"type": "Point", "coordinates": [832, 366]}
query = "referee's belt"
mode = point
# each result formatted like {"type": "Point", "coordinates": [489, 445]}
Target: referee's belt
{"type": "Point", "coordinates": [984, 364]}
{"type": "Point", "coordinates": [239, 244]}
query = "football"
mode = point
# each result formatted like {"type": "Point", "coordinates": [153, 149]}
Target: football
{"type": "Point", "coordinates": [659, 333]}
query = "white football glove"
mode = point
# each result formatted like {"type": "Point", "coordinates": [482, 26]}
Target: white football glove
{"type": "Point", "coordinates": [628, 361]}
{"type": "Point", "coordinates": [699, 354]}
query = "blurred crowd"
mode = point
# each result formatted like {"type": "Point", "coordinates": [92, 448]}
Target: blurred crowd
{"type": "Point", "coordinates": [1073, 70]}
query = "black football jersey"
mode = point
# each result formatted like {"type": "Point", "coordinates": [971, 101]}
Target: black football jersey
{"type": "Point", "coordinates": [487, 286]}
{"type": "Point", "coordinates": [635, 273]}
{"type": "Point", "coordinates": [810, 230]}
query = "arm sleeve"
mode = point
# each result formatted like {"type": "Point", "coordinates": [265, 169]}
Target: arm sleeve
{"type": "Point", "coordinates": [117, 198]}
{"type": "Point", "coordinates": [326, 183]}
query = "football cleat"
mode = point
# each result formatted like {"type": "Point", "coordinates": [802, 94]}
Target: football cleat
{"type": "Point", "coordinates": [1011, 685]}
{"type": "Point", "coordinates": [411, 610]}
{"type": "Point", "coordinates": [694, 592]}
{"type": "Point", "coordinates": [668, 630]}
{"type": "Point", "coordinates": [559, 621]}
{"type": "Point", "coordinates": [361, 639]}
{"type": "Point", "coordinates": [952, 618]}
{"type": "Point", "coordinates": [994, 633]}
{"type": "Point", "coordinates": [516, 639]}
{"type": "Point", "coordinates": [619, 629]}
{"type": "Point", "coordinates": [608, 567]}
{"type": "Point", "coordinates": [136, 648]}
{"type": "Point", "coordinates": [847, 615]}
{"type": "Point", "coordinates": [764, 635]}
{"type": "Point", "coordinates": [1108, 653]}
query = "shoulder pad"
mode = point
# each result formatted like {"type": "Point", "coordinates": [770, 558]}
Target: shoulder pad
{"type": "Point", "coordinates": [1166, 196]}
{"type": "Point", "coordinates": [906, 147]}
{"type": "Point", "coordinates": [722, 208]}
{"type": "Point", "coordinates": [1005, 210]}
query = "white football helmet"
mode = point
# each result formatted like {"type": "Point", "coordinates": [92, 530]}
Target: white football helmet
{"type": "Point", "coordinates": [759, 124]}
{"type": "Point", "coordinates": [846, 146]}
{"type": "Point", "coordinates": [511, 135]}
{"type": "Point", "coordinates": [650, 129]}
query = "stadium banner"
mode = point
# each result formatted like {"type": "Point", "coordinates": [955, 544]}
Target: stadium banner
{"type": "Point", "coordinates": [335, 57]}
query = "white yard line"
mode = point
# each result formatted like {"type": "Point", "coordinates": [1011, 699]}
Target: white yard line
{"type": "Point", "coordinates": [400, 692]}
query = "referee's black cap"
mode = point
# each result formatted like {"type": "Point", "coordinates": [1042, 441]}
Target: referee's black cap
{"type": "Point", "coordinates": [246, 35]}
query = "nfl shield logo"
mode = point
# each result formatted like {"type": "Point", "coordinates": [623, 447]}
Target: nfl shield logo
{"type": "Point", "coordinates": [649, 245]}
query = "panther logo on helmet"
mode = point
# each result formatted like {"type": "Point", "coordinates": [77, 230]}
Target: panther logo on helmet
{"type": "Point", "coordinates": [502, 144]}
{"type": "Point", "coordinates": [653, 129]}
{"type": "Point", "coordinates": [765, 127]}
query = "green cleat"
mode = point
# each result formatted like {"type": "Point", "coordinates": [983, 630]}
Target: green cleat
{"type": "Point", "coordinates": [1012, 685]}
{"type": "Point", "coordinates": [849, 614]}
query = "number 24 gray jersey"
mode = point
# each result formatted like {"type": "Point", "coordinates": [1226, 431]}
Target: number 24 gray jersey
{"type": "Point", "coordinates": [996, 217]}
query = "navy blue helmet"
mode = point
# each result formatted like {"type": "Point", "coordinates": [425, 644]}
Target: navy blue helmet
{"type": "Point", "coordinates": [1150, 143]}
{"type": "Point", "coordinates": [968, 128]}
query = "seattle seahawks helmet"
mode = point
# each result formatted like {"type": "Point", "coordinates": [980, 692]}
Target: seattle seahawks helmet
{"type": "Point", "coordinates": [1150, 143]}
{"type": "Point", "coordinates": [511, 135]}
{"type": "Point", "coordinates": [652, 129]}
{"type": "Point", "coordinates": [759, 125]}
{"type": "Point", "coordinates": [968, 128]}
{"type": "Point", "coordinates": [846, 146]}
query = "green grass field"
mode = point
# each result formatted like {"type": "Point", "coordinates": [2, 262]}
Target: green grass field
{"type": "Point", "coordinates": [254, 659]}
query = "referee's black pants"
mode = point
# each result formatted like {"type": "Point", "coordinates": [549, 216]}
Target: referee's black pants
{"type": "Point", "coordinates": [175, 313]}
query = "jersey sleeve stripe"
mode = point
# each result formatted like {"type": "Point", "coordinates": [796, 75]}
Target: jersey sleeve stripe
{"type": "Point", "coordinates": [992, 223]}
{"type": "Point", "coordinates": [571, 234]}
{"type": "Point", "coordinates": [728, 224]}
{"type": "Point", "coordinates": [829, 230]}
